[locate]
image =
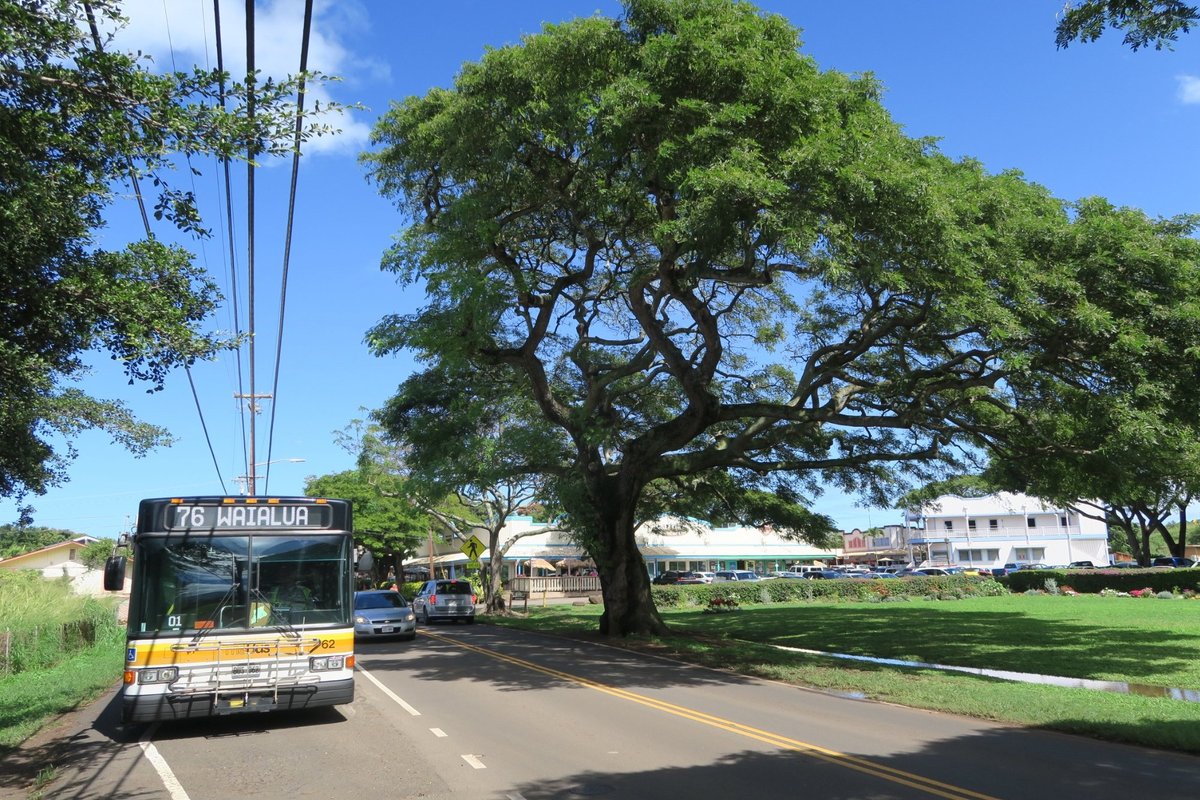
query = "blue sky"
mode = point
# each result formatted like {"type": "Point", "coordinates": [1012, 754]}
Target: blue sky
{"type": "Point", "coordinates": [985, 78]}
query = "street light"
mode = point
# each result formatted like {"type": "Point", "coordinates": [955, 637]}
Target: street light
{"type": "Point", "coordinates": [247, 481]}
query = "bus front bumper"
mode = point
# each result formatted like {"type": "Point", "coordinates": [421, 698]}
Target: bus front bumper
{"type": "Point", "coordinates": [151, 708]}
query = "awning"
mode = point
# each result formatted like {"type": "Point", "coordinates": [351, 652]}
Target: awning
{"type": "Point", "coordinates": [540, 563]}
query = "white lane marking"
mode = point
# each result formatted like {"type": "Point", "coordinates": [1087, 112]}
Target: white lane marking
{"type": "Point", "coordinates": [473, 761]}
{"type": "Point", "coordinates": [439, 733]}
{"type": "Point", "coordinates": [170, 782]}
{"type": "Point", "coordinates": [388, 691]}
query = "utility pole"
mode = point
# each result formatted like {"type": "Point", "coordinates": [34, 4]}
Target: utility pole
{"type": "Point", "coordinates": [253, 406]}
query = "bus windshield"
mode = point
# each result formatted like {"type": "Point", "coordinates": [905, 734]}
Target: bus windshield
{"type": "Point", "coordinates": [213, 582]}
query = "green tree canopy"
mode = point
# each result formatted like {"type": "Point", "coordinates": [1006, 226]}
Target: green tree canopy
{"type": "Point", "coordinates": [384, 522]}
{"type": "Point", "coordinates": [76, 118]}
{"type": "Point", "coordinates": [709, 263]}
{"type": "Point", "coordinates": [1116, 432]}
{"type": "Point", "coordinates": [1145, 22]}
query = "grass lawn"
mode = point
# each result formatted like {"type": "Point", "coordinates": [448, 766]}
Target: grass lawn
{"type": "Point", "coordinates": [29, 699]}
{"type": "Point", "coordinates": [1086, 636]}
{"type": "Point", "coordinates": [1140, 641]}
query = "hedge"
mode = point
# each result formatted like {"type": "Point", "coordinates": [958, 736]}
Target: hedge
{"type": "Point", "coordinates": [1091, 581]}
{"type": "Point", "coordinates": [784, 590]}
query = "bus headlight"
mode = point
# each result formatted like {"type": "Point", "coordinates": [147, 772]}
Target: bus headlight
{"type": "Point", "coordinates": [159, 675]}
{"type": "Point", "coordinates": [325, 663]}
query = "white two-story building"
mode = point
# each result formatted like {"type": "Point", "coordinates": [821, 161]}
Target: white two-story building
{"type": "Point", "coordinates": [1004, 529]}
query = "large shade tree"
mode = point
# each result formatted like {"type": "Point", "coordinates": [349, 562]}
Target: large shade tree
{"type": "Point", "coordinates": [1115, 430]}
{"type": "Point", "coordinates": [77, 118]}
{"type": "Point", "coordinates": [715, 267]}
{"type": "Point", "coordinates": [476, 452]}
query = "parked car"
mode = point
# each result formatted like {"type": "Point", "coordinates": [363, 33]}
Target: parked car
{"type": "Point", "coordinates": [735, 575]}
{"type": "Point", "coordinates": [933, 571]}
{"type": "Point", "coordinates": [690, 579]}
{"type": "Point", "coordinates": [798, 570]}
{"type": "Point", "coordinates": [823, 574]}
{"type": "Point", "coordinates": [1172, 561]}
{"type": "Point", "coordinates": [383, 612]}
{"type": "Point", "coordinates": [705, 577]}
{"type": "Point", "coordinates": [446, 598]}
{"type": "Point", "coordinates": [668, 578]}
{"type": "Point", "coordinates": [1081, 565]}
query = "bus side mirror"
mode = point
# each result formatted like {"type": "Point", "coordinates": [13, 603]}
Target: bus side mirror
{"type": "Point", "coordinates": [114, 573]}
{"type": "Point", "coordinates": [366, 562]}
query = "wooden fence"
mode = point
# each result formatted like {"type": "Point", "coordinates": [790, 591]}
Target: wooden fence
{"type": "Point", "coordinates": [556, 586]}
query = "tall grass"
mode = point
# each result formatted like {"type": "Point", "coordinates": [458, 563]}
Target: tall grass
{"type": "Point", "coordinates": [64, 649]}
{"type": "Point", "coordinates": [43, 621]}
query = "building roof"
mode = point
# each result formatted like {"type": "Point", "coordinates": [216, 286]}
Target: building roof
{"type": "Point", "coordinates": [78, 541]}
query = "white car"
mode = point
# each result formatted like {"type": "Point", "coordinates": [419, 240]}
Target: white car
{"type": "Point", "coordinates": [445, 598]}
{"type": "Point", "coordinates": [707, 577]}
{"type": "Point", "coordinates": [735, 575]}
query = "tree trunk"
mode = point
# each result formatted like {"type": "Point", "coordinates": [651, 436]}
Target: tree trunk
{"type": "Point", "coordinates": [628, 607]}
{"type": "Point", "coordinates": [492, 584]}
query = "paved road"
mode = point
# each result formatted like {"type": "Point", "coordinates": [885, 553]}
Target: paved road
{"type": "Point", "coordinates": [479, 712]}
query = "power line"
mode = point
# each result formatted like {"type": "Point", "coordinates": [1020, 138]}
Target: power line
{"type": "Point", "coordinates": [233, 271]}
{"type": "Point", "coordinates": [287, 247]}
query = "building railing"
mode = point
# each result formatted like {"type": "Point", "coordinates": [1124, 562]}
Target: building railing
{"type": "Point", "coordinates": [1010, 532]}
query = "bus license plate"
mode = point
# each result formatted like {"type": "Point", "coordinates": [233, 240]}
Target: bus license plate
{"type": "Point", "coordinates": [246, 671]}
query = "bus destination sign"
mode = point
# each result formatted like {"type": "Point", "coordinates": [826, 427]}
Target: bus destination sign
{"type": "Point", "coordinates": [241, 517]}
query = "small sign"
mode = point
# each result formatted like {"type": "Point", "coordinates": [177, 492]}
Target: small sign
{"type": "Point", "coordinates": [473, 547]}
{"type": "Point", "coordinates": [473, 564]}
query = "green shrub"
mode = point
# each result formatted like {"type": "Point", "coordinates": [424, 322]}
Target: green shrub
{"type": "Point", "coordinates": [1093, 581]}
{"type": "Point", "coordinates": [853, 590]}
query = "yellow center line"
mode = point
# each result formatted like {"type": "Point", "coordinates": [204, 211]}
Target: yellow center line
{"type": "Point", "coordinates": [862, 765]}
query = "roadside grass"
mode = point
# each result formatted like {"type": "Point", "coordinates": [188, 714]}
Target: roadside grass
{"type": "Point", "coordinates": [1124, 639]}
{"type": "Point", "coordinates": [28, 700]}
{"type": "Point", "coordinates": [50, 667]}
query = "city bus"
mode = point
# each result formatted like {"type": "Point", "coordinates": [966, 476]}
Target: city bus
{"type": "Point", "coordinates": [237, 604]}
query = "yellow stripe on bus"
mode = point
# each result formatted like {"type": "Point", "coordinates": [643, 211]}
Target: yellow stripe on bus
{"type": "Point", "coordinates": [256, 647]}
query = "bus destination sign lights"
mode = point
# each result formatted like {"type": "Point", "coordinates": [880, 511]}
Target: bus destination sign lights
{"type": "Point", "coordinates": [243, 517]}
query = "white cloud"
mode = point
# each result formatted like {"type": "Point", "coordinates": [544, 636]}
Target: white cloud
{"type": "Point", "coordinates": [181, 34]}
{"type": "Point", "coordinates": [1189, 89]}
